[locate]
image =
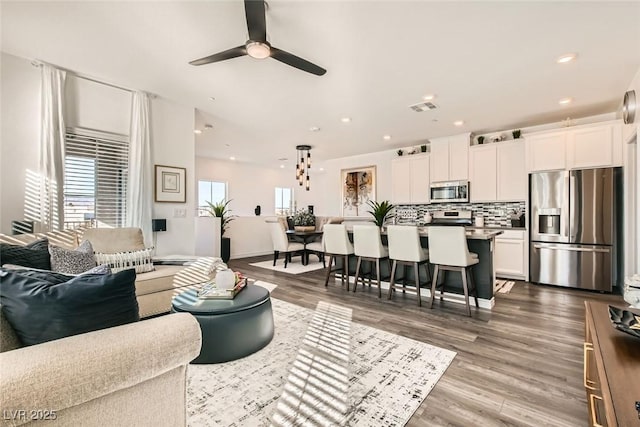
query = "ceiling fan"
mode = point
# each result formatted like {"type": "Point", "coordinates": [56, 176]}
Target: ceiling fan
{"type": "Point", "coordinates": [257, 46]}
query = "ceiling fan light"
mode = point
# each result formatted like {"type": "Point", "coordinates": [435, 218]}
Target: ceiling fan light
{"type": "Point", "coordinates": [258, 50]}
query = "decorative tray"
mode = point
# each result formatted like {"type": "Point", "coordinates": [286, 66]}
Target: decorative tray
{"type": "Point", "coordinates": [625, 321]}
{"type": "Point", "coordinates": [210, 291]}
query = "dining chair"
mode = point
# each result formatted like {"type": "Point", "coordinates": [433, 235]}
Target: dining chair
{"type": "Point", "coordinates": [449, 252]}
{"type": "Point", "coordinates": [282, 244]}
{"type": "Point", "coordinates": [405, 249]}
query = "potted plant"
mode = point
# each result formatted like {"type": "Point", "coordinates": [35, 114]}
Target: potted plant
{"type": "Point", "coordinates": [222, 211]}
{"type": "Point", "coordinates": [400, 152]}
{"type": "Point", "coordinates": [516, 133]}
{"type": "Point", "coordinates": [423, 148]}
{"type": "Point", "coordinates": [380, 211]}
{"type": "Point", "coordinates": [304, 221]}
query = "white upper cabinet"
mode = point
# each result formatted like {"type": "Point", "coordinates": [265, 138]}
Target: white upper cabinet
{"type": "Point", "coordinates": [546, 151]}
{"type": "Point", "coordinates": [592, 147]}
{"type": "Point", "coordinates": [512, 173]}
{"type": "Point", "coordinates": [450, 158]}
{"type": "Point", "coordinates": [410, 179]}
{"type": "Point", "coordinates": [483, 173]}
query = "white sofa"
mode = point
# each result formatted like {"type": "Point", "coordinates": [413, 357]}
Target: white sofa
{"type": "Point", "coordinates": [154, 290]}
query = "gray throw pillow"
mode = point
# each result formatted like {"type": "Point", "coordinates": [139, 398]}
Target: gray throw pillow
{"type": "Point", "coordinates": [72, 261]}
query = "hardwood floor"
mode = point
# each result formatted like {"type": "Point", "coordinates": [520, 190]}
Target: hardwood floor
{"type": "Point", "coordinates": [519, 364]}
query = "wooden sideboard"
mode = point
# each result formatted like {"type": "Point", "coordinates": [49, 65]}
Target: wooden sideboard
{"type": "Point", "coordinates": [611, 370]}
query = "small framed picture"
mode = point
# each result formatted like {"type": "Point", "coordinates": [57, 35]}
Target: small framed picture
{"type": "Point", "coordinates": [171, 184]}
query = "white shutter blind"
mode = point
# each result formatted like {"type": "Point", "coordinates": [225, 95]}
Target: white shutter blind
{"type": "Point", "coordinates": [95, 181]}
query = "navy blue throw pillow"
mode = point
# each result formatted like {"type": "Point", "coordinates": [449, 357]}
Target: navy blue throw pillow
{"type": "Point", "coordinates": [44, 306]}
{"type": "Point", "coordinates": [33, 255]}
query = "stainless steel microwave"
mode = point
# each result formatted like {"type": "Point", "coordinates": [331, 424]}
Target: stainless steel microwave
{"type": "Point", "coordinates": [450, 191]}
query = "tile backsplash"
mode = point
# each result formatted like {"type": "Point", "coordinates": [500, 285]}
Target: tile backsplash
{"type": "Point", "coordinates": [494, 214]}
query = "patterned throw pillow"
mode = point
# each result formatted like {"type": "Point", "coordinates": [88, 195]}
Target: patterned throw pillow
{"type": "Point", "coordinates": [100, 269]}
{"type": "Point", "coordinates": [72, 261]}
{"type": "Point", "coordinates": [33, 255]}
{"type": "Point", "coordinates": [139, 260]}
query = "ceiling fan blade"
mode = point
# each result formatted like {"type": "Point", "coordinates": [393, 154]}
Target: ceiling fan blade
{"type": "Point", "coordinates": [221, 56]}
{"type": "Point", "coordinates": [256, 22]}
{"type": "Point", "coordinates": [296, 61]}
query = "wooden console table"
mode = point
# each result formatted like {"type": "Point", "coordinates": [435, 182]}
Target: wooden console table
{"type": "Point", "coordinates": [611, 370]}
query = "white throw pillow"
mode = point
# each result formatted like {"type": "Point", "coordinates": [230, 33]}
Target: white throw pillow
{"type": "Point", "coordinates": [139, 260]}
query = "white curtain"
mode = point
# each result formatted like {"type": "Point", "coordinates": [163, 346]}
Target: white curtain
{"type": "Point", "coordinates": [52, 148]}
{"type": "Point", "coordinates": [140, 184]}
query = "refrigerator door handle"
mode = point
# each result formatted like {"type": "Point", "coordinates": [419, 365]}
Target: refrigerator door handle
{"type": "Point", "coordinates": [565, 214]}
{"type": "Point", "coordinates": [573, 249]}
{"type": "Point", "coordinates": [574, 207]}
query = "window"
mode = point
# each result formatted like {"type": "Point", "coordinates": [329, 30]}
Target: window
{"type": "Point", "coordinates": [95, 178]}
{"type": "Point", "coordinates": [210, 191]}
{"type": "Point", "coordinates": [284, 201]}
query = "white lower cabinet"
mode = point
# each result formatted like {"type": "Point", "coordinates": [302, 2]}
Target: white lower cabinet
{"type": "Point", "coordinates": [509, 254]}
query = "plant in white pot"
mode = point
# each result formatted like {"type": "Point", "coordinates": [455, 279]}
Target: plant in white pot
{"type": "Point", "coordinates": [304, 221]}
{"type": "Point", "coordinates": [222, 211]}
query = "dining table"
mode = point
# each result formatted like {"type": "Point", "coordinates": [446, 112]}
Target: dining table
{"type": "Point", "coordinates": [304, 237]}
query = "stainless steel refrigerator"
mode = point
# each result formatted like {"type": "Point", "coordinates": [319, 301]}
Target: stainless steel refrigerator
{"type": "Point", "coordinates": [573, 228]}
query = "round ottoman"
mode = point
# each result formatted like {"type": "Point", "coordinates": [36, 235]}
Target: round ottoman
{"type": "Point", "coordinates": [231, 329]}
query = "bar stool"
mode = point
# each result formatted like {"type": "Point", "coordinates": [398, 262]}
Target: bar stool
{"type": "Point", "coordinates": [337, 244]}
{"type": "Point", "coordinates": [449, 252]}
{"type": "Point", "coordinates": [368, 246]}
{"type": "Point", "coordinates": [405, 249]}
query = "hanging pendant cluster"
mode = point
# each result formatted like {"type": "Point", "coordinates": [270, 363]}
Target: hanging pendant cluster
{"type": "Point", "coordinates": [303, 165]}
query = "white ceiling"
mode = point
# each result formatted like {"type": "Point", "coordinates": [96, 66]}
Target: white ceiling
{"type": "Point", "coordinates": [491, 64]}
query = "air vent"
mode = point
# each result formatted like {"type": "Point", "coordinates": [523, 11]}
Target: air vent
{"type": "Point", "coordinates": [423, 106]}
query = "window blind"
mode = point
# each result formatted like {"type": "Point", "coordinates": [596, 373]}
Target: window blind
{"type": "Point", "coordinates": [95, 181]}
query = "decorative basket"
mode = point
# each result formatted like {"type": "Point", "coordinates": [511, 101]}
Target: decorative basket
{"type": "Point", "coordinates": [305, 228]}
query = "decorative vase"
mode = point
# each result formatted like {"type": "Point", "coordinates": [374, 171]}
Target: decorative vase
{"type": "Point", "coordinates": [225, 279]}
{"type": "Point", "coordinates": [225, 249]}
{"type": "Point", "coordinates": [257, 210]}
{"type": "Point", "coordinates": [305, 228]}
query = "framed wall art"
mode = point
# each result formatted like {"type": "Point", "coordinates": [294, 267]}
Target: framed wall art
{"type": "Point", "coordinates": [171, 184]}
{"type": "Point", "coordinates": [358, 187]}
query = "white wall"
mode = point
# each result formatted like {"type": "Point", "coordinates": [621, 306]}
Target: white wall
{"type": "Point", "coordinates": [173, 145]}
{"type": "Point", "coordinates": [96, 106]}
{"type": "Point", "coordinates": [632, 187]}
{"type": "Point", "coordinates": [20, 135]}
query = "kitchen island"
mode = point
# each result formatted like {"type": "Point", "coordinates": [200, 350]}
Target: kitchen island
{"type": "Point", "coordinates": [479, 241]}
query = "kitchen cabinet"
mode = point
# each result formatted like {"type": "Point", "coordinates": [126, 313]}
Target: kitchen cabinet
{"type": "Point", "coordinates": [509, 254]}
{"type": "Point", "coordinates": [497, 172]}
{"type": "Point", "coordinates": [410, 179]}
{"type": "Point", "coordinates": [512, 172]}
{"type": "Point", "coordinates": [449, 158]}
{"type": "Point", "coordinates": [546, 151]}
{"type": "Point", "coordinates": [595, 146]}
{"type": "Point", "coordinates": [483, 171]}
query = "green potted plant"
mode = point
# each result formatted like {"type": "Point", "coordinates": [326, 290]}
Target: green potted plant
{"type": "Point", "coordinates": [304, 221]}
{"type": "Point", "coordinates": [222, 211]}
{"type": "Point", "coordinates": [380, 211]}
{"type": "Point", "coordinates": [516, 133]}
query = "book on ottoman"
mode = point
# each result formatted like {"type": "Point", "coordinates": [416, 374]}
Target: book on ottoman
{"type": "Point", "coordinates": [210, 291]}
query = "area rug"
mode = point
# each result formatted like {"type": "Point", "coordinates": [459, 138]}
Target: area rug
{"type": "Point", "coordinates": [294, 267]}
{"type": "Point", "coordinates": [504, 286]}
{"type": "Point", "coordinates": [388, 377]}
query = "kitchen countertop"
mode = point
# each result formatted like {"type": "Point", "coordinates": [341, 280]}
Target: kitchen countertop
{"type": "Point", "coordinates": [472, 234]}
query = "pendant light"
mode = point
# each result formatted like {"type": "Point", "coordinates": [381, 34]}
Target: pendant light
{"type": "Point", "coordinates": [303, 152]}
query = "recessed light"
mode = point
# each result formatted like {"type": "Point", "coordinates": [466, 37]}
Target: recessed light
{"type": "Point", "coordinates": [564, 59]}
{"type": "Point", "coordinates": [314, 129]}
{"type": "Point", "coordinates": [565, 101]}
{"type": "Point", "coordinates": [321, 169]}
{"type": "Point", "coordinates": [232, 158]}
{"type": "Point", "coordinates": [428, 97]}
{"type": "Point", "coordinates": [281, 166]}
{"type": "Point", "coordinates": [197, 131]}
{"type": "Point", "coordinates": [386, 137]}
{"type": "Point", "coordinates": [458, 123]}
{"type": "Point", "coordinates": [345, 119]}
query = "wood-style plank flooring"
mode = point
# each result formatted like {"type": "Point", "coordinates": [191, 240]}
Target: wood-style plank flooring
{"type": "Point", "coordinates": [518, 364]}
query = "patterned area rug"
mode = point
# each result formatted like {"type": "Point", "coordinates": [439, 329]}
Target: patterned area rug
{"type": "Point", "coordinates": [294, 267]}
{"type": "Point", "coordinates": [389, 376]}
